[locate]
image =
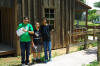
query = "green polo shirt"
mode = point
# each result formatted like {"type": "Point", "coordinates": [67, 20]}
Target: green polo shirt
{"type": "Point", "coordinates": [25, 37]}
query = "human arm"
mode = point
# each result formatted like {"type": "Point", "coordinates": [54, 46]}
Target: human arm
{"type": "Point", "coordinates": [30, 31]}
{"type": "Point", "coordinates": [32, 42]}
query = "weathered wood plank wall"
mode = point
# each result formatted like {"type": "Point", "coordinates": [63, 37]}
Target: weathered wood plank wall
{"type": "Point", "coordinates": [64, 17]}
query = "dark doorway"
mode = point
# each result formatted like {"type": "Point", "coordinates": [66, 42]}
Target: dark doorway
{"type": "Point", "coordinates": [0, 28]}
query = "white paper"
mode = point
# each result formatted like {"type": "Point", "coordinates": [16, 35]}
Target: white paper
{"type": "Point", "coordinates": [20, 32]}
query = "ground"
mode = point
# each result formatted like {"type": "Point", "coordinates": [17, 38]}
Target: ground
{"type": "Point", "coordinates": [59, 58]}
{"type": "Point", "coordinates": [80, 58]}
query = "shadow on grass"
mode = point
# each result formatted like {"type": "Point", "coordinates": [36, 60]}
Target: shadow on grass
{"type": "Point", "coordinates": [17, 65]}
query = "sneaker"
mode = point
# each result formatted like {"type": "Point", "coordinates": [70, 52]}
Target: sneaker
{"type": "Point", "coordinates": [23, 64]}
{"type": "Point", "coordinates": [33, 61]}
{"type": "Point", "coordinates": [38, 61]}
{"type": "Point", "coordinates": [46, 61]}
{"type": "Point", "coordinates": [27, 64]}
{"type": "Point", "coordinates": [50, 60]}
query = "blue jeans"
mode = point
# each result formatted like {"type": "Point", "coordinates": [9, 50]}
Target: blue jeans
{"type": "Point", "coordinates": [47, 47]}
{"type": "Point", "coordinates": [25, 46]}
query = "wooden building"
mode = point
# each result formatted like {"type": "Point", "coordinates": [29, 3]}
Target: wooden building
{"type": "Point", "coordinates": [59, 13]}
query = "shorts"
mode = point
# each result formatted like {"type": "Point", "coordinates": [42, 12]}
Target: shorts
{"type": "Point", "coordinates": [37, 48]}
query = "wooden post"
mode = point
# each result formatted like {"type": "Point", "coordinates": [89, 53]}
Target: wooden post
{"type": "Point", "coordinates": [16, 24]}
{"type": "Point", "coordinates": [86, 36]}
{"type": "Point", "coordinates": [68, 42]}
{"type": "Point", "coordinates": [98, 48]}
{"type": "Point", "coordinates": [85, 40]}
{"type": "Point", "coordinates": [94, 32]}
{"type": "Point", "coordinates": [86, 18]}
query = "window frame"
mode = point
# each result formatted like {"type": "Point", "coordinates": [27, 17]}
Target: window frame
{"type": "Point", "coordinates": [50, 19]}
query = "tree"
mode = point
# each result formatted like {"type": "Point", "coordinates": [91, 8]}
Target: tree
{"type": "Point", "coordinates": [92, 15]}
{"type": "Point", "coordinates": [84, 1]}
{"type": "Point", "coordinates": [97, 4]}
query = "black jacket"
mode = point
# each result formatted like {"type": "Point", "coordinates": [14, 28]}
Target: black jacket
{"type": "Point", "coordinates": [45, 32]}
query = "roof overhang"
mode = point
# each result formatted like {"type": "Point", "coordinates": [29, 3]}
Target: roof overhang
{"type": "Point", "coordinates": [81, 7]}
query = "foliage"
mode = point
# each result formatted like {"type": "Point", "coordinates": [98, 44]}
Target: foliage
{"type": "Point", "coordinates": [78, 16]}
{"type": "Point", "coordinates": [95, 63]}
{"type": "Point", "coordinates": [83, 1]}
{"type": "Point", "coordinates": [81, 47]}
{"type": "Point", "coordinates": [94, 44]}
{"type": "Point", "coordinates": [97, 4]}
{"type": "Point", "coordinates": [42, 58]}
{"type": "Point", "coordinates": [92, 15]}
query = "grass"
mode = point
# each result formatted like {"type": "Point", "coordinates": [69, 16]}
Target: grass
{"type": "Point", "coordinates": [94, 63]}
{"type": "Point", "coordinates": [10, 61]}
{"type": "Point", "coordinates": [16, 61]}
{"type": "Point", "coordinates": [81, 47]}
{"type": "Point", "coordinates": [92, 44]}
{"type": "Point", "coordinates": [89, 23]}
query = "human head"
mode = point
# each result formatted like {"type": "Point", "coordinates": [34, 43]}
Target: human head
{"type": "Point", "coordinates": [25, 20]}
{"type": "Point", "coordinates": [37, 24]}
{"type": "Point", "coordinates": [44, 21]}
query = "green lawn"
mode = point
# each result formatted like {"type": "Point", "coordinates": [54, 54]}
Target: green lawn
{"type": "Point", "coordinates": [83, 23]}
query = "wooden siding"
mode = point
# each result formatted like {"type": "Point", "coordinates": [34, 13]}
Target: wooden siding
{"type": "Point", "coordinates": [64, 17]}
{"type": "Point", "coordinates": [8, 22]}
{"type": "Point", "coordinates": [7, 26]}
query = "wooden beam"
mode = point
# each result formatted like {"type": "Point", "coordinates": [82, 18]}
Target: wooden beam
{"type": "Point", "coordinates": [86, 18]}
{"type": "Point", "coordinates": [8, 52]}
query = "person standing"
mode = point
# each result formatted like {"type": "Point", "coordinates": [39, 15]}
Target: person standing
{"type": "Point", "coordinates": [36, 43]}
{"type": "Point", "coordinates": [25, 40]}
{"type": "Point", "coordinates": [45, 32]}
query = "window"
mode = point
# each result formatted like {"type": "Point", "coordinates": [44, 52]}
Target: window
{"type": "Point", "coordinates": [50, 15]}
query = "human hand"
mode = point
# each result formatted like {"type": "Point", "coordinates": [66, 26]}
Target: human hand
{"type": "Point", "coordinates": [24, 30]}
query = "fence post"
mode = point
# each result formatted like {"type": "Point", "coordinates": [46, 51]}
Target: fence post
{"type": "Point", "coordinates": [98, 48]}
{"type": "Point", "coordinates": [85, 40]}
{"type": "Point", "coordinates": [94, 32]}
{"type": "Point", "coordinates": [67, 44]}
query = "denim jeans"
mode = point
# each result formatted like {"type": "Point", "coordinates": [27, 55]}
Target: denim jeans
{"type": "Point", "coordinates": [47, 47]}
{"type": "Point", "coordinates": [25, 46]}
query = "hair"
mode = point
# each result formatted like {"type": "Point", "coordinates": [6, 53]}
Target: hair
{"type": "Point", "coordinates": [44, 18]}
{"type": "Point", "coordinates": [36, 22]}
{"type": "Point", "coordinates": [26, 17]}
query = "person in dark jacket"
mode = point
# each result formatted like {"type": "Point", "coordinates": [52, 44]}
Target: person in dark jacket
{"type": "Point", "coordinates": [45, 32]}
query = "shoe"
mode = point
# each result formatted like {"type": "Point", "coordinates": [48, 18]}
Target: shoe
{"type": "Point", "coordinates": [33, 61]}
{"type": "Point", "coordinates": [50, 60]}
{"type": "Point", "coordinates": [38, 61]}
{"type": "Point", "coordinates": [27, 64]}
{"type": "Point", "coordinates": [23, 65]}
{"type": "Point", "coordinates": [46, 61]}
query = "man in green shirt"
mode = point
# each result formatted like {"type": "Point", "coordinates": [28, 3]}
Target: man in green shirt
{"type": "Point", "coordinates": [25, 40]}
